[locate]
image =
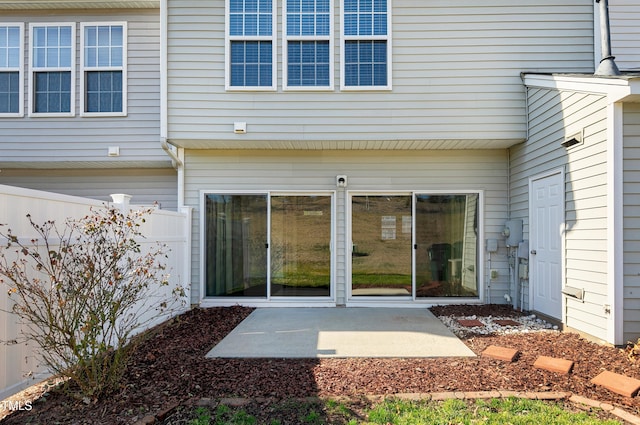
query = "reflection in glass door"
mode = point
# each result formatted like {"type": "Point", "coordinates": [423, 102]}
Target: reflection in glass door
{"type": "Point", "coordinates": [300, 246]}
{"type": "Point", "coordinates": [381, 253]}
{"type": "Point", "coordinates": [258, 246]}
{"type": "Point", "coordinates": [236, 245]}
{"type": "Point", "coordinates": [446, 245]}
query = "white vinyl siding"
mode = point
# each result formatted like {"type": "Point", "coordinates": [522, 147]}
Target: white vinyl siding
{"type": "Point", "coordinates": [624, 17]}
{"type": "Point", "coordinates": [456, 76]}
{"type": "Point", "coordinates": [631, 222]}
{"type": "Point", "coordinates": [147, 186]}
{"type": "Point", "coordinates": [244, 171]}
{"type": "Point", "coordinates": [81, 141]}
{"type": "Point", "coordinates": [554, 115]}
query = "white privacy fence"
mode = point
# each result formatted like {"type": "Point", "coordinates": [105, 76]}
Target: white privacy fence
{"type": "Point", "coordinates": [19, 366]}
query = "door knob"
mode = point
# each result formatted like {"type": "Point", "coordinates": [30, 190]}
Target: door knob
{"type": "Point", "coordinates": [533, 251]}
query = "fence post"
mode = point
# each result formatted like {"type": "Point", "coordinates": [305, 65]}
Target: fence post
{"type": "Point", "coordinates": [122, 200]}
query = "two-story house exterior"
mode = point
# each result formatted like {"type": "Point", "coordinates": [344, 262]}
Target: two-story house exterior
{"type": "Point", "coordinates": [349, 152]}
{"type": "Point", "coordinates": [362, 152]}
{"type": "Point", "coordinates": [80, 99]}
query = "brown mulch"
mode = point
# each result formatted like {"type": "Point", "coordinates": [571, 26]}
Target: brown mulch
{"type": "Point", "coordinates": [170, 370]}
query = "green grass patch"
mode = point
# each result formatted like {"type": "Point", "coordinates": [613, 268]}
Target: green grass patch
{"type": "Point", "coordinates": [512, 411]}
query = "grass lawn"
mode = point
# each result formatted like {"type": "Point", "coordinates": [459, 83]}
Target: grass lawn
{"type": "Point", "coordinates": [513, 411]}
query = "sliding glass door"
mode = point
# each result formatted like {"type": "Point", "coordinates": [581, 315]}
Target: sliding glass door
{"type": "Point", "coordinates": [446, 245]}
{"type": "Point", "coordinates": [420, 245]}
{"type": "Point", "coordinates": [300, 246]}
{"type": "Point", "coordinates": [236, 245]}
{"type": "Point", "coordinates": [263, 246]}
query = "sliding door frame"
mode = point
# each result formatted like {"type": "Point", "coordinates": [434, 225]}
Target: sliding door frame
{"type": "Point", "coordinates": [324, 301]}
{"type": "Point", "coordinates": [414, 301]}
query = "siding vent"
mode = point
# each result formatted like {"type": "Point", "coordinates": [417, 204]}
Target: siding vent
{"type": "Point", "coordinates": [572, 292]}
{"type": "Point", "coordinates": [574, 139]}
{"type": "Point", "coordinates": [239, 127]}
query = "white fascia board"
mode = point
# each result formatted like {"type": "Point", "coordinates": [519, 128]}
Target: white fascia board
{"type": "Point", "coordinates": [616, 89]}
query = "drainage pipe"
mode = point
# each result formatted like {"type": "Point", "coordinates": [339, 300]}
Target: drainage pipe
{"type": "Point", "coordinates": [607, 65]}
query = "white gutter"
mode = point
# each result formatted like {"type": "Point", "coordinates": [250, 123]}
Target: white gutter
{"type": "Point", "coordinates": [615, 88]}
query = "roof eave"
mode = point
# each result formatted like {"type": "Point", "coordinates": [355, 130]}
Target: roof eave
{"type": "Point", "coordinates": [77, 4]}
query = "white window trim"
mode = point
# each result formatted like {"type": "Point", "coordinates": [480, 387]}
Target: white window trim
{"type": "Point", "coordinates": [32, 70]}
{"type": "Point", "coordinates": [19, 69]}
{"type": "Point", "coordinates": [344, 38]}
{"type": "Point", "coordinates": [274, 49]}
{"type": "Point", "coordinates": [122, 68]}
{"type": "Point", "coordinates": [285, 56]}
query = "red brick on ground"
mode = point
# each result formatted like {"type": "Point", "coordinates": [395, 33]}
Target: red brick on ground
{"type": "Point", "coordinates": [507, 322]}
{"type": "Point", "coordinates": [554, 364]}
{"type": "Point", "coordinates": [470, 323]}
{"type": "Point", "coordinates": [501, 353]}
{"type": "Point", "coordinates": [617, 383]}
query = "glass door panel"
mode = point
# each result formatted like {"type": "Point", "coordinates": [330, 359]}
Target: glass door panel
{"type": "Point", "coordinates": [300, 246]}
{"type": "Point", "coordinates": [381, 237]}
{"type": "Point", "coordinates": [447, 240]}
{"type": "Point", "coordinates": [236, 245]}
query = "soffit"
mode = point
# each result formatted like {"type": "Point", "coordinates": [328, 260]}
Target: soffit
{"type": "Point", "coordinates": [72, 165]}
{"type": "Point", "coordinates": [240, 143]}
{"type": "Point", "coordinates": [77, 4]}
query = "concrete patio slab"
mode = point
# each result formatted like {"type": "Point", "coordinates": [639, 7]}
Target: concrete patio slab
{"type": "Point", "coordinates": [341, 333]}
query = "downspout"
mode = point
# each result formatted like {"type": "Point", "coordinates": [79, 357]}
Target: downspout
{"type": "Point", "coordinates": [178, 163]}
{"type": "Point", "coordinates": [176, 154]}
{"type": "Point", "coordinates": [607, 65]}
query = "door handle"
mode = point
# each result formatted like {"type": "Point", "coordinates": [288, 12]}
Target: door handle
{"type": "Point", "coordinates": [533, 251]}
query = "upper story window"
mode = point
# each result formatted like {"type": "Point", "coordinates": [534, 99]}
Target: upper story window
{"type": "Point", "coordinates": [11, 60]}
{"type": "Point", "coordinates": [103, 68]}
{"type": "Point", "coordinates": [366, 44]}
{"type": "Point", "coordinates": [51, 77]}
{"type": "Point", "coordinates": [250, 44]}
{"type": "Point", "coordinates": [308, 44]}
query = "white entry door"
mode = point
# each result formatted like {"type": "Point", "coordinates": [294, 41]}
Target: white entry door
{"type": "Point", "coordinates": [545, 259]}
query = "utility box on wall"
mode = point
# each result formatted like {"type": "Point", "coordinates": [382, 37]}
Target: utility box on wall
{"type": "Point", "coordinates": [512, 232]}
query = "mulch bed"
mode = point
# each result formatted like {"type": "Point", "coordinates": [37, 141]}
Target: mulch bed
{"type": "Point", "coordinates": [170, 370]}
